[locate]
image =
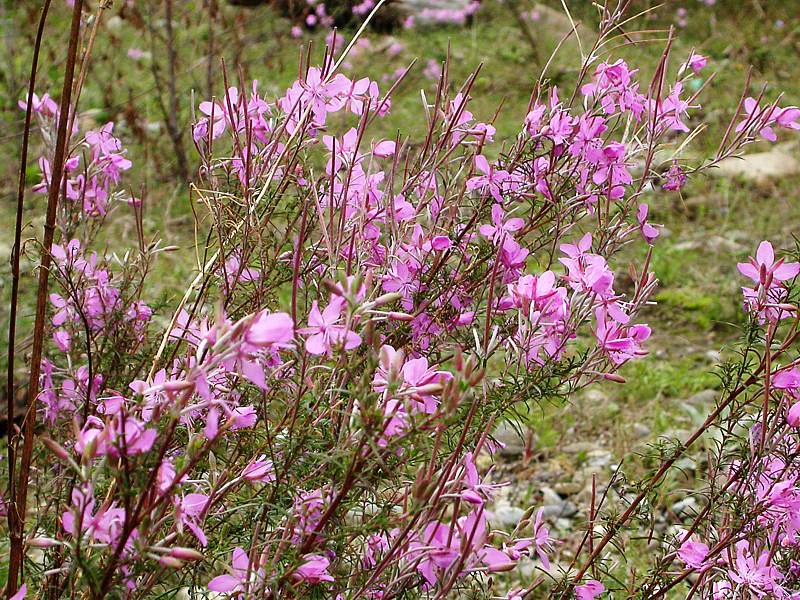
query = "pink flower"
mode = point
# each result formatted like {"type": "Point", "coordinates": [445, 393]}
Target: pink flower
{"type": "Point", "coordinates": [235, 271]}
{"type": "Point", "coordinates": [694, 554]}
{"type": "Point", "coordinates": [189, 511]}
{"type": "Point", "coordinates": [542, 540]}
{"type": "Point", "coordinates": [759, 575]}
{"type": "Point", "coordinates": [696, 63]}
{"type": "Point", "coordinates": [63, 339]}
{"type": "Point", "coordinates": [259, 469]}
{"type": "Point", "coordinates": [44, 105]}
{"type": "Point", "coordinates": [764, 266]}
{"type": "Point", "coordinates": [313, 570]}
{"type": "Point", "coordinates": [384, 148]}
{"type": "Point", "coordinates": [649, 232]}
{"type": "Point", "coordinates": [494, 181]}
{"type": "Point", "coordinates": [766, 298]}
{"type": "Point", "coordinates": [620, 343]}
{"type": "Point", "coordinates": [475, 491]}
{"type": "Point", "coordinates": [675, 178]}
{"type": "Point", "coordinates": [324, 330]}
{"type": "Point", "coordinates": [793, 416]}
{"type": "Point", "coordinates": [589, 590]}
{"type": "Point", "coordinates": [500, 227]}
{"type": "Point", "coordinates": [763, 119]}
{"type": "Point", "coordinates": [238, 577]}
{"type": "Point", "coordinates": [271, 330]}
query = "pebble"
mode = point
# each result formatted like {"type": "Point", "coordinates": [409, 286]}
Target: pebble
{"type": "Point", "coordinates": [686, 507]}
{"type": "Point", "coordinates": [507, 516]}
{"type": "Point", "coordinates": [507, 434]}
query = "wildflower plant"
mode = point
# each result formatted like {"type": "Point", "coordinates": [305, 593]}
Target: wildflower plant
{"type": "Point", "coordinates": [314, 417]}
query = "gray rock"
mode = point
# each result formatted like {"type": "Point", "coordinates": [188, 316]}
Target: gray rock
{"type": "Point", "coordinates": [703, 398]}
{"type": "Point", "coordinates": [550, 496]}
{"type": "Point", "coordinates": [760, 167]}
{"type": "Point", "coordinates": [580, 448]}
{"type": "Point", "coordinates": [506, 434]}
{"type": "Point", "coordinates": [599, 458]}
{"type": "Point", "coordinates": [562, 510]}
{"type": "Point", "coordinates": [551, 511]}
{"type": "Point", "coordinates": [686, 508]}
{"type": "Point", "coordinates": [567, 488]}
{"type": "Point", "coordinates": [506, 516]}
{"type": "Point", "coordinates": [565, 524]}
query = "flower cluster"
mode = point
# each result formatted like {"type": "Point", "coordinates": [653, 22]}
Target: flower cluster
{"type": "Point", "coordinates": [91, 177]}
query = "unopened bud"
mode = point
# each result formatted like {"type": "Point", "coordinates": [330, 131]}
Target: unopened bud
{"type": "Point", "coordinates": [399, 316]}
{"type": "Point", "coordinates": [55, 448]}
{"type": "Point", "coordinates": [397, 364]}
{"type": "Point", "coordinates": [420, 486]}
{"type": "Point", "coordinates": [469, 366]}
{"type": "Point", "coordinates": [88, 451]}
{"type": "Point", "coordinates": [332, 287]}
{"type": "Point", "coordinates": [453, 399]}
{"type": "Point", "coordinates": [387, 299]}
{"type": "Point", "coordinates": [185, 553]}
{"type": "Point", "coordinates": [170, 562]}
{"type": "Point", "coordinates": [43, 542]}
{"type": "Point", "coordinates": [430, 388]}
{"type": "Point", "coordinates": [614, 377]}
{"type": "Point", "coordinates": [177, 386]}
{"type": "Point", "coordinates": [502, 567]}
{"type": "Point", "coordinates": [383, 357]}
{"type": "Point", "coordinates": [477, 377]}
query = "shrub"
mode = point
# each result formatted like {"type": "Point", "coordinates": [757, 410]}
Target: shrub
{"type": "Point", "coordinates": [308, 421]}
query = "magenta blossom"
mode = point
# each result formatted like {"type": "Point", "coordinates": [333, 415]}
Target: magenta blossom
{"type": "Point", "coordinates": [696, 63]}
{"type": "Point", "coordinates": [589, 590]}
{"type": "Point", "coordinates": [324, 331]}
{"type": "Point", "coordinates": [649, 232]}
{"type": "Point", "coordinates": [313, 570]}
{"type": "Point", "coordinates": [694, 554]}
{"type": "Point", "coordinates": [239, 575]}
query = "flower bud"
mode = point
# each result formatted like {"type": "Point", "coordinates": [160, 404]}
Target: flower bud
{"type": "Point", "coordinates": [430, 388]}
{"type": "Point", "coordinates": [387, 298]}
{"type": "Point", "coordinates": [43, 542]}
{"type": "Point", "coordinates": [177, 386]}
{"type": "Point", "coordinates": [170, 562]}
{"type": "Point", "coordinates": [793, 416]}
{"type": "Point", "coordinates": [502, 567]}
{"type": "Point", "coordinates": [477, 377]}
{"type": "Point", "coordinates": [399, 316]}
{"type": "Point", "coordinates": [185, 553]}
{"type": "Point", "coordinates": [55, 448]}
{"type": "Point", "coordinates": [614, 377]}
